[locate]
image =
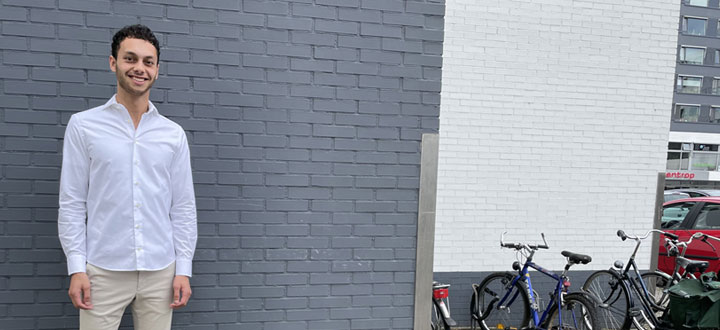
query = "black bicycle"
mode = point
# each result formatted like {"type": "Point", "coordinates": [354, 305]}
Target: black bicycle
{"type": "Point", "coordinates": [506, 300]}
{"type": "Point", "coordinates": [626, 296]}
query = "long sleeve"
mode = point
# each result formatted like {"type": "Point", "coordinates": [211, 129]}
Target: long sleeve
{"type": "Point", "coordinates": [73, 196]}
{"type": "Point", "coordinates": [183, 214]}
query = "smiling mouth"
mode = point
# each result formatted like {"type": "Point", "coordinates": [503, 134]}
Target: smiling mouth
{"type": "Point", "coordinates": [138, 79]}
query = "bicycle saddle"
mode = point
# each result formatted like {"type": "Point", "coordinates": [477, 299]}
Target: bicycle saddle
{"type": "Point", "coordinates": [577, 258]}
{"type": "Point", "coordinates": [692, 266]}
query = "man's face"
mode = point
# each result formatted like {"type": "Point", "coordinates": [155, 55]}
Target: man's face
{"type": "Point", "coordinates": [136, 66]}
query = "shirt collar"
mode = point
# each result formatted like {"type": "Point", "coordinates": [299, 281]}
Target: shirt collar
{"type": "Point", "coordinates": [112, 103]}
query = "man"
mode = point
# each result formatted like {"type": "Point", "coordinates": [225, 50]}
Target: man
{"type": "Point", "coordinates": [127, 220]}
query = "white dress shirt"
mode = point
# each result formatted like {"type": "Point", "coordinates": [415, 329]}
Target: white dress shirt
{"type": "Point", "coordinates": [134, 187]}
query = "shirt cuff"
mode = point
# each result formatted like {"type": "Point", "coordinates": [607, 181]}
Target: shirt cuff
{"type": "Point", "coordinates": [183, 267]}
{"type": "Point", "coordinates": [76, 264]}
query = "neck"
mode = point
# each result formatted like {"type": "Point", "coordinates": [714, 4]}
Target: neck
{"type": "Point", "coordinates": [135, 105]}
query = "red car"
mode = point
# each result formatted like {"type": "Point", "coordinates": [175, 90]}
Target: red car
{"type": "Point", "coordinates": [685, 217]}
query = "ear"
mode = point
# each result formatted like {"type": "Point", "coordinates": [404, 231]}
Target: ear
{"type": "Point", "coordinates": [112, 63]}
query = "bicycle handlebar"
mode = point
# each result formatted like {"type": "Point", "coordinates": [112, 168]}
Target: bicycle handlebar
{"type": "Point", "coordinates": [520, 246]}
{"type": "Point", "coordinates": [624, 236]}
{"type": "Point", "coordinates": [673, 245]}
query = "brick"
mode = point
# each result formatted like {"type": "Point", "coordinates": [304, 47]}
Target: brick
{"type": "Point", "coordinates": [27, 29]}
{"type": "Point", "coordinates": [217, 4]}
{"type": "Point", "coordinates": [214, 30]}
{"type": "Point", "coordinates": [99, 20]}
{"type": "Point", "coordinates": [278, 22]}
{"type": "Point", "coordinates": [191, 42]}
{"type": "Point", "coordinates": [266, 35]}
{"type": "Point", "coordinates": [339, 3]}
{"type": "Point", "coordinates": [14, 72]}
{"type": "Point", "coordinates": [342, 27]}
{"type": "Point", "coordinates": [241, 18]}
{"type": "Point", "coordinates": [29, 59]}
{"type": "Point", "coordinates": [191, 14]}
{"type": "Point", "coordinates": [311, 65]}
{"type": "Point", "coordinates": [55, 46]}
{"type": "Point", "coordinates": [346, 54]}
{"type": "Point", "coordinates": [82, 5]}
{"type": "Point", "coordinates": [196, 70]}
{"type": "Point", "coordinates": [84, 62]}
{"type": "Point", "coordinates": [33, 88]}
{"type": "Point", "coordinates": [13, 130]}
{"type": "Point", "coordinates": [426, 8]}
{"type": "Point", "coordinates": [360, 42]}
{"type": "Point", "coordinates": [324, 39]}
{"type": "Point", "coordinates": [314, 11]}
{"type": "Point", "coordinates": [176, 26]}
{"type": "Point", "coordinates": [54, 16]}
{"type": "Point", "coordinates": [361, 15]}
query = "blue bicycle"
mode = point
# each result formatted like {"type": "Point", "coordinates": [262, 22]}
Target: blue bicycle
{"type": "Point", "coordinates": [506, 300]}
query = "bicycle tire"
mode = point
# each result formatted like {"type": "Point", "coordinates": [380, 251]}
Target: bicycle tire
{"type": "Point", "coordinates": [438, 321]}
{"type": "Point", "coordinates": [578, 313]}
{"type": "Point", "coordinates": [612, 297]}
{"type": "Point", "coordinates": [513, 314]}
{"type": "Point", "coordinates": [656, 283]}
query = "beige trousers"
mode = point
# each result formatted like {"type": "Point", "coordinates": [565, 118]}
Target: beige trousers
{"type": "Point", "coordinates": [149, 293]}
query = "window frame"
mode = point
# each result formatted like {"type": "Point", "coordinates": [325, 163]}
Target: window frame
{"type": "Point", "coordinates": [675, 109]}
{"type": "Point", "coordinates": [678, 88]}
{"type": "Point", "coordinates": [713, 109]}
{"type": "Point", "coordinates": [685, 25]}
{"type": "Point", "coordinates": [687, 2]}
{"type": "Point", "coordinates": [683, 49]}
{"type": "Point", "coordinates": [686, 219]}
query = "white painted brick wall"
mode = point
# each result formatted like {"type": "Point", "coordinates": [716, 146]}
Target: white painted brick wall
{"type": "Point", "coordinates": [555, 117]}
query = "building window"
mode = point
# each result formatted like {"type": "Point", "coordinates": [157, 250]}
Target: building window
{"type": "Point", "coordinates": [715, 114]}
{"type": "Point", "coordinates": [716, 86]}
{"type": "Point", "coordinates": [678, 157]}
{"type": "Point", "coordinates": [686, 113]}
{"type": "Point", "coordinates": [692, 55]}
{"type": "Point", "coordinates": [702, 3]}
{"type": "Point", "coordinates": [689, 84]}
{"type": "Point", "coordinates": [704, 157]}
{"type": "Point", "coordinates": [717, 56]}
{"type": "Point", "coordinates": [694, 25]}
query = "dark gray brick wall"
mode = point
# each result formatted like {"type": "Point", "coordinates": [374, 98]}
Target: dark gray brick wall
{"type": "Point", "coordinates": [304, 118]}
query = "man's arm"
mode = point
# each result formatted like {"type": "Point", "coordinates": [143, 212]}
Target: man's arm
{"type": "Point", "coordinates": [74, 179]}
{"type": "Point", "coordinates": [183, 216]}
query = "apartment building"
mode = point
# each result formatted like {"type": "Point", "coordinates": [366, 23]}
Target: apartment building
{"type": "Point", "coordinates": [693, 153]}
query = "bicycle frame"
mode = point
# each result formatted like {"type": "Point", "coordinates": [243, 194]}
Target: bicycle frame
{"type": "Point", "coordinates": [524, 276]}
{"type": "Point", "coordinates": [639, 287]}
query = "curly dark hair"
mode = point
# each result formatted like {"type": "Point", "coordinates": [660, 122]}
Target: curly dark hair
{"type": "Point", "coordinates": [137, 31]}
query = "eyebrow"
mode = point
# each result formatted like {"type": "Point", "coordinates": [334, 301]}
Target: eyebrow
{"type": "Point", "coordinates": [136, 55]}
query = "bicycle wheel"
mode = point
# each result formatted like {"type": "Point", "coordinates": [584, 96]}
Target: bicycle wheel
{"type": "Point", "coordinates": [656, 283]}
{"type": "Point", "coordinates": [487, 310]}
{"type": "Point", "coordinates": [577, 313]}
{"type": "Point", "coordinates": [612, 298]}
{"type": "Point", "coordinates": [437, 321]}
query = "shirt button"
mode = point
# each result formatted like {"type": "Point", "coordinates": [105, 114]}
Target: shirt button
{"type": "Point", "coordinates": [136, 162]}
{"type": "Point", "coordinates": [137, 227]}
{"type": "Point", "coordinates": [139, 249]}
{"type": "Point", "coordinates": [137, 204]}
{"type": "Point", "coordinates": [136, 183]}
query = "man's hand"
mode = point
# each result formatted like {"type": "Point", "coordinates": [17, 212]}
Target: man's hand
{"type": "Point", "coordinates": [181, 291]}
{"type": "Point", "coordinates": [79, 291]}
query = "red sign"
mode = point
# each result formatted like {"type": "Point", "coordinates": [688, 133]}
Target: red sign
{"type": "Point", "coordinates": [679, 175]}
